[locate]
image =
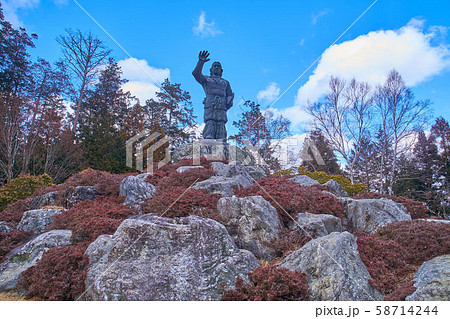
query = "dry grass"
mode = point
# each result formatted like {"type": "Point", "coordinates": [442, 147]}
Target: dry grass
{"type": "Point", "coordinates": [9, 296]}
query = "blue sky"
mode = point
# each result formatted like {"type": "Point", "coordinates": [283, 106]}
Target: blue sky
{"type": "Point", "coordinates": [264, 46]}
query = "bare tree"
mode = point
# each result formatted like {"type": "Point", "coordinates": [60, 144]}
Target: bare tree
{"type": "Point", "coordinates": [400, 117]}
{"type": "Point", "coordinates": [344, 118]}
{"type": "Point", "coordinates": [83, 55]}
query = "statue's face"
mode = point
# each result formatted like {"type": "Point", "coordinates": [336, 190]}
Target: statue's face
{"type": "Point", "coordinates": [216, 69]}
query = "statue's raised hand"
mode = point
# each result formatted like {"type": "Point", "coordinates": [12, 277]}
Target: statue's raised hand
{"type": "Point", "coordinates": [203, 56]}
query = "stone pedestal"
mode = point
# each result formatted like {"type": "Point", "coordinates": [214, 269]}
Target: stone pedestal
{"type": "Point", "coordinates": [212, 150]}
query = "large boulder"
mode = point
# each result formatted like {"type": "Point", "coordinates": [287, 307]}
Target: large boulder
{"type": "Point", "coordinates": [432, 280]}
{"type": "Point", "coordinates": [82, 193]}
{"type": "Point", "coordinates": [333, 268]}
{"type": "Point", "coordinates": [154, 258]}
{"type": "Point", "coordinates": [304, 180]}
{"type": "Point", "coordinates": [318, 225]}
{"type": "Point", "coordinates": [235, 168]}
{"type": "Point", "coordinates": [37, 220]}
{"type": "Point", "coordinates": [335, 188]}
{"type": "Point", "coordinates": [4, 227]}
{"type": "Point", "coordinates": [46, 199]}
{"type": "Point", "coordinates": [26, 256]}
{"type": "Point", "coordinates": [223, 185]}
{"type": "Point", "coordinates": [136, 190]}
{"type": "Point", "coordinates": [368, 215]}
{"type": "Point", "coordinates": [252, 222]}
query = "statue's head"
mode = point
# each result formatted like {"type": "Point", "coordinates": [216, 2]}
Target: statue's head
{"type": "Point", "coordinates": [216, 69]}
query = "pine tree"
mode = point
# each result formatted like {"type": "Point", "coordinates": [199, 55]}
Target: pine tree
{"type": "Point", "coordinates": [328, 156]}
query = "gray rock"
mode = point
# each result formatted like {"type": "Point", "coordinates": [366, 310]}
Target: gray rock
{"type": "Point", "coordinates": [26, 256]}
{"type": "Point", "coordinates": [256, 172]}
{"type": "Point", "coordinates": [183, 169]}
{"type": "Point", "coordinates": [46, 199]}
{"type": "Point", "coordinates": [81, 193]}
{"type": "Point", "coordinates": [98, 250]}
{"type": "Point", "coordinates": [136, 190]}
{"type": "Point", "coordinates": [143, 176]}
{"type": "Point", "coordinates": [4, 228]}
{"type": "Point", "coordinates": [223, 185]}
{"type": "Point", "coordinates": [252, 223]}
{"type": "Point", "coordinates": [432, 280]}
{"type": "Point", "coordinates": [304, 180]}
{"type": "Point", "coordinates": [368, 215]}
{"type": "Point", "coordinates": [154, 258]}
{"type": "Point", "coordinates": [440, 221]}
{"type": "Point", "coordinates": [37, 220]}
{"type": "Point", "coordinates": [318, 224]}
{"type": "Point", "coordinates": [336, 188]}
{"type": "Point", "coordinates": [333, 268]}
{"type": "Point", "coordinates": [231, 152]}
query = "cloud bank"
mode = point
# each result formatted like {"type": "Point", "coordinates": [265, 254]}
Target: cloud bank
{"type": "Point", "coordinates": [372, 56]}
{"type": "Point", "coordinates": [141, 78]}
{"type": "Point", "coordinates": [11, 7]}
{"type": "Point", "coordinates": [205, 29]}
{"type": "Point", "coordinates": [269, 94]}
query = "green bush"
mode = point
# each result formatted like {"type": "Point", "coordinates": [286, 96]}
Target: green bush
{"type": "Point", "coordinates": [21, 188]}
{"type": "Point", "coordinates": [323, 177]}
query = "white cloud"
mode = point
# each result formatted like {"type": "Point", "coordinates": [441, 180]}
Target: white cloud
{"type": "Point", "coordinates": [269, 94]}
{"type": "Point", "coordinates": [372, 56]}
{"type": "Point", "coordinates": [11, 7]}
{"type": "Point", "coordinates": [205, 29]}
{"type": "Point", "coordinates": [315, 17]}
{"type": "Point", "coordinates": [296, 114]}
{"type": "Point", "coordinates": [141, 78]}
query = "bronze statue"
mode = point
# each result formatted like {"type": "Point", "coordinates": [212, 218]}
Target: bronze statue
{"type": "Point", "coordinates": [218, 100]}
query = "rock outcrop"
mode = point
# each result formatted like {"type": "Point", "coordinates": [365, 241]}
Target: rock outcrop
{"type": "Point", "coordinates": [335, 188]}
{"type": "Point", "coordinates": [432, 280]}
{"type": "Point", "coordinates": [136, 190]}
{"type": "Point", "coordinates": [252, 222]}
{"type": "Point", "coordinates": [4, 228]}
{"type": "Point", "coordinates": [304, 180]}
{"type": "Point", "coordinates": [37, 220]}
{"type": "Point", "coordinates": [183, 169]}
{"type": "Point", "coordinates": [81, 193]}
{"type": "Point", "coordinates": [333, 268]}
{"type": "Point", "coordinates": [318, 224]}
{"type": "Point", "coordinates": [154, 258]}
{"type": "Point", "coordinates": [368, 215]}
{"type": "Point", "coordinates": [26, 256]}
{"type": "Point", "coordinates": [46, 199]}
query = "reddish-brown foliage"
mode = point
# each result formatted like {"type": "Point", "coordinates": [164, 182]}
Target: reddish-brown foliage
{"type": "Point", "coordinates": [402, 292]}
{"type": "Point", "coordinates": [185, 179]}
{"type": "Point", "coordinates": [90, 219]}
{"type": "Point", "coordinates": [289, 241]}
{"type": "Point", "coordinates": [108, 184]}
{"type": "Point", "coordinates": [293, 198]}
{"type": "Point", "coordinates": [182, 202]}
{"type": "Point", "coordinates": [270, 283]}
{"type": "Point", "coordinates": [422, 240]}
{"type": "Point", "coordinates": [414, 207]}
{"type": "Point", "coordinates": [11, 240]}
{"type": "Point", "coordinates": [13, 212]}
{"type": "Point", "coordinates": [384, 260]}
{"type": "Point", "coordinates": [58, 275]}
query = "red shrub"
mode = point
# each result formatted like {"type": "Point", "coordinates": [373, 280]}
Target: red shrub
{"type": "Point", "coordinates": [414, 207]}
{"type": "Point", "coordinates": [289, 241]}
{"type": "Point", "coordinates": [90, 219]}
{"type": "Point", "coordinates": [11, 240]}
{"type": "Point", "coordinates": [293, 198]}
{"type": "Point", "coordinates": [13, 212]}
{"type": "Point", "coordinates": [182, 202]}
{"type": "Point", "coordinates": [58, 275]}
{"type": "Point", "coordinates": [384, 260]}
{"type": "Point", "coordinates": [270, 283]}
{"type": "Point", "coordinates": [185, 179]}
{"type": "Point", "coordinates": [422, 240]}
{"type": "Point", "coordinates": [402, 292]}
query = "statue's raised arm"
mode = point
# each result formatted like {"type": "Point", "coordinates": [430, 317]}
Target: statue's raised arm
{"type": "Point", "coordinates": [197, 73]}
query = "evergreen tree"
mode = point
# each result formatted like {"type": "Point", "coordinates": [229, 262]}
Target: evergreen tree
{"type": "Point", "coordinates": [328, 156]}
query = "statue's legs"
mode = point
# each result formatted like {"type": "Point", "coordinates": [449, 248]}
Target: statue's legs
{"type": "Point", "coordinates": [221, 130]}
{"type": "Point", "coordinates": [209, 130]}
